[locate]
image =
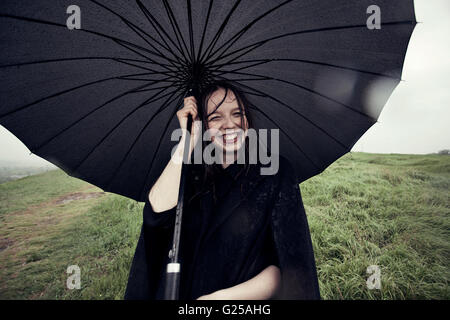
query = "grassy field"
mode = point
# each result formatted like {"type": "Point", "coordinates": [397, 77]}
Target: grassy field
{"type": "Point", "coordinates": [366, 209]}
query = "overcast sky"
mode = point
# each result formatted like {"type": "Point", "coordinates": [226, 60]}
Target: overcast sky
{"type": "Point", "coordinates": [416, 119]}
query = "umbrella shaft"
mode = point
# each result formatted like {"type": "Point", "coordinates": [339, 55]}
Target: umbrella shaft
{"type": "Point", "coordinates": [173, 268]}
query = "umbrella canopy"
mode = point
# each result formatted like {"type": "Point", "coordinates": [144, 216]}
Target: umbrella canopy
{"type": "Point", "coordinates": [100, 102]}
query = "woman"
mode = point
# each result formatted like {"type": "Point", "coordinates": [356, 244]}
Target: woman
{"type": "Point", "coordinates": [244, 235]}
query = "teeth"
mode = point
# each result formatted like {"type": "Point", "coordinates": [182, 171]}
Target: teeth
{"type": "Point", "coordinates": [230, 136]}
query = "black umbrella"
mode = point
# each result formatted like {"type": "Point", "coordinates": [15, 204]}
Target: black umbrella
{"type": "Point", "coordinates": [100, 102]}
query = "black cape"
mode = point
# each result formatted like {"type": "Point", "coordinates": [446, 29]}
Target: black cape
{"type": "Point", "coordinates": [258, 220]}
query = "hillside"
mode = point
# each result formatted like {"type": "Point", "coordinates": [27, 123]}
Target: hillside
{"type": "Point", "coordinates": [9, 171]}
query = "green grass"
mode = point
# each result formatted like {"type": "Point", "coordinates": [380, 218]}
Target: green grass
{"type": "Point", "coordinates": [38, 244]}
{"type": "Point", "coordinates": [365, 209]}
{"type": "Point", "coordinates": [32, 190]}
{"type": "Point", "coordinates": [385, 210]}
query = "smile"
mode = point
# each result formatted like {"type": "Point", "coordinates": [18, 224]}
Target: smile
{"type": "Point", "coordinates": [230, 138]}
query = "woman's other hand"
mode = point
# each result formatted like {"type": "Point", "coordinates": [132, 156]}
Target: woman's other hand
{"type": "Point", "coordinates": [217, 295]}
{"type": "Point", "coordinates": [261, 287]}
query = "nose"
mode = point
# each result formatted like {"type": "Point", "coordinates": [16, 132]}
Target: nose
{"type": "Point", "coordinates": [229, 124]}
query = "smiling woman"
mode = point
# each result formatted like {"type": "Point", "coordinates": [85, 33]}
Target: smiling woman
{"type": "Point", "coordinates": [245, 235]}
{"type": "Point", "coordinates": [225, 111]}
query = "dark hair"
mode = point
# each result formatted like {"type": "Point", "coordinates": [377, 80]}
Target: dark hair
{"type": "Point", "coordinates": [209, 172]}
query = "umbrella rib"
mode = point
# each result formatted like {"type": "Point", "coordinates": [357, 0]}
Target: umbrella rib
{"type": "Point", "coordinates": [174, 83]}
{"type": "Point", "coordinates": [255, 63]}
{"type": "Point", "coordinates": [132, 26]}
{"type": "Point", "coordinates": [204, 29]}
{"type": "Point", "coordinates": [127, 45]}
{"type": "Point", "coordinates": [262, 42]}
{"type": "Point", "coordinates": [153, 97]}
{"type": "Point", "coordinates": [135, 89]}
{"type": "Point", "coordinates": [263, 61]}
{"type": "Point", "coordinates": [191, 31]}
{"type": "Point", "coordinates": [253, 93]}
{"type": "Point", "coordinates": [160, 140]}
{"type": "Point", "coordinates": [58, 94]}
{"type": "Point", "coordinates": [298, 113]}
{"type": "Point", "coordinates": [120, 60]}
{"type": "Point", "coordinates": [220, 31]}
{"type": "Point", "coordinates": [252, 79]}
{"type": "Point", "coordinates": [60, 60]}
{"type": "Point", "coordinates": [160, 54]}
{"type": "Point", "coordinates": [116, 40]}
{"type": "Point", "coordinates": [54, 95]}
{"type": "Point", "coordinates": [239, 34]}
{"type": "Point", "coordinates": [174, 25]}
{"type": "Point", "coordinates": [285, 133]}
{"type": "Point", "coordinates": [304, 88]}
{"type": "Point", "coordinates": [144, 68]}
{"type": "Point", "coordinates": [130, 77]}
{"type": "Point", "coordinates": [163, 106]}
{"type": "Point", "coordinates": [145, 79]}
{"type": "Point", "coordinates": [153, 21]}
{"type": "Point", "coordinates": [253, 47]}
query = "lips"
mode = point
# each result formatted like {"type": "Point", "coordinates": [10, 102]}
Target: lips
{"type": "Point", "coordinates": [229, 138]}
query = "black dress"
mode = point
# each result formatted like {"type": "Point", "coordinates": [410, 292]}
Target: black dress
{"type": "Point", "coordinates": [257, 221]}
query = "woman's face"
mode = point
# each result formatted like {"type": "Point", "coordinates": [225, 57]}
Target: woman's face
{"type": "Point", "coordinates": [225, 121]}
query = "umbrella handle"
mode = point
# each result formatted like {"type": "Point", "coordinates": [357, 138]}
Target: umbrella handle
{"type": "Point", "coordinates": [172, 281]}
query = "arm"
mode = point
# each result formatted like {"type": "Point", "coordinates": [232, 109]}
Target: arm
{"type": "Point", "coordinates": [261, 287]}
{"type": "Point", "coordinates": [164, 193]}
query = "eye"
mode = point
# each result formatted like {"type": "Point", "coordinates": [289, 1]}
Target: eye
{"type": "Point", "coordinates": [237, 114]}
{"type": "Point", "coordinates": [214, 118]}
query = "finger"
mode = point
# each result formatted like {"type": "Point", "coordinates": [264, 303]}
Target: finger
{"type": "Point", "coordinates": [190, 104]}
{"type": "Point", "coordinates": [192, 110]}
{"type": "Point", "coordinates": [193, 114]}
{"type": "Point", "coordinates": [190, 99]}
{"type": "Point", "coordinates": [187, 110]}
